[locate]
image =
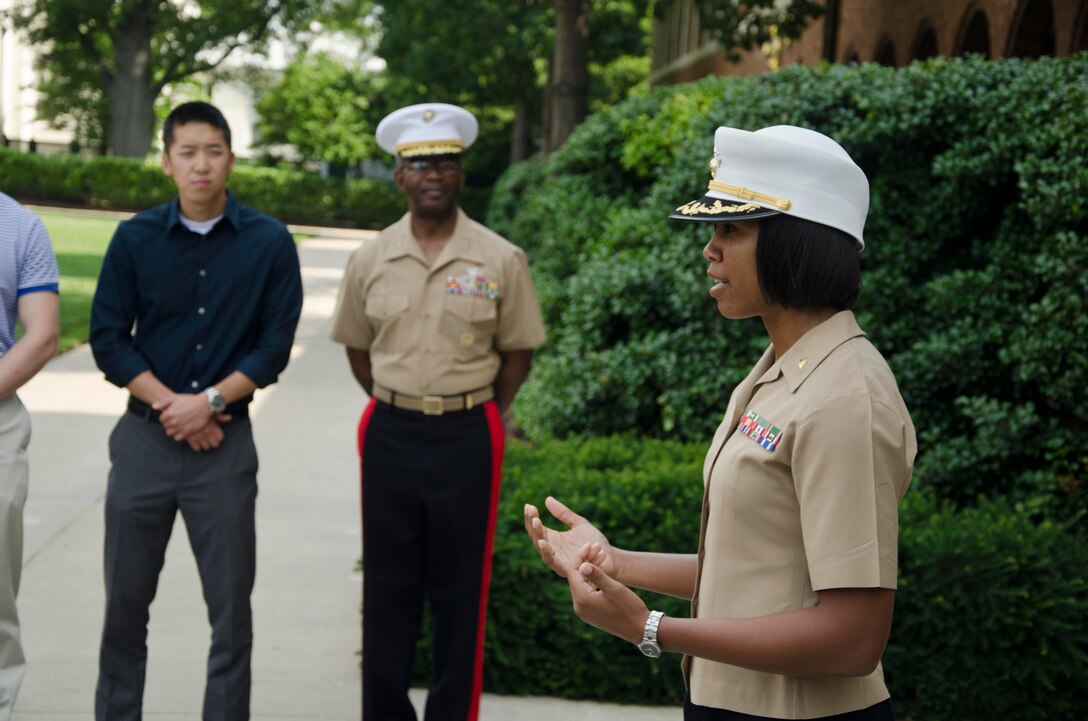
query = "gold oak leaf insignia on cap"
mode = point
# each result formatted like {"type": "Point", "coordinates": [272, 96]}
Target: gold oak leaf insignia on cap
{"type": "Point", "coordinates": [696, 207]}
{"type": "Point", "coordinates": [715, 163]}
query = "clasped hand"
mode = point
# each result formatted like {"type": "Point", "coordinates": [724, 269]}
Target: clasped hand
{"type": "Point", "coordinates": [186, 417]}
{"type": "Point", "coordinates": [583, 556]}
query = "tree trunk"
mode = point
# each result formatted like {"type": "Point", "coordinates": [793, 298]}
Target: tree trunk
{"type": "Point", "coordinates": [569, 88]}
{"type": "Point", "coordinates": [519, 135]}
{"type": "Point", "coordinates": [831, 30]}
{"type": "Point", "coordinates": [132, 101]}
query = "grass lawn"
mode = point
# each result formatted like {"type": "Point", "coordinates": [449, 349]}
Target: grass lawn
{"type": "Point", "coordinates": [80, 242]}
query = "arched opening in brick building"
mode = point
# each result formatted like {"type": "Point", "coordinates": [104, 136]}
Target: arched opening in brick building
{"type": "Point", "coordinates": [885, 53]}
{"type": "Point", "coordinates": [925, 44]}
{"type": "Point", "coordinates": [975, 34]}
{"type": "Point", "coordinates": [1033, 31]}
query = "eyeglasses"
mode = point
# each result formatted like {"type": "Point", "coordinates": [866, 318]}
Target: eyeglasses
{"type": "Point", "coordinates": [442, 166]}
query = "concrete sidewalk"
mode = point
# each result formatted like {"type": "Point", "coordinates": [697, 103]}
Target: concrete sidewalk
{"type": "Point", "coordinates": [307, 595]}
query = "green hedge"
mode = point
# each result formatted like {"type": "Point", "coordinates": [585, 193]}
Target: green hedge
{"type": "Point", "coordinates": [989, 619]}
{"type": "Point", "coordinates": [989, 616]}
{"type": "Point", "coordinates": [127, 184]}
{"type": "Point", "coordinates": [975, 271]}
{"type": "Point", "coordinates": [643, 494]}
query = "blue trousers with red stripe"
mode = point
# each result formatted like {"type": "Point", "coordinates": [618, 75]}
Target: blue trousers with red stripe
{"type": "Point", "coordinates": [430, 491]}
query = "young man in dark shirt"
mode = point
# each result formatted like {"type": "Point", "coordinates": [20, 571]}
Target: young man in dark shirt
{"type": "Point", "coordinates": [196, 307]}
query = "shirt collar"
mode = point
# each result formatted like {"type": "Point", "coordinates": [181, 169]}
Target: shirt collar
{"type": "Point", "coordinates": [810, 350]}
{"type": "Point", "coordinates": [462, 245]}
{"type": "Point", "coordinates": [173, 216]}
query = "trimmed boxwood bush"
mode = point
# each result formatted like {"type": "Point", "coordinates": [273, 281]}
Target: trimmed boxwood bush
{"type": "Point", "coordinates": [36, 178]}
{"type": "Point", "coordinates": [975, 270]}
{"type": "Point", "coordinates": [127, 184]}
{"type": "Point", "coordinates": [990, 615]}
{"type": "Point", "coordinates": [644, 495]}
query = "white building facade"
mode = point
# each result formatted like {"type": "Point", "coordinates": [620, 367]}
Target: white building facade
{"type": "Point", "coordinates": [20, 125]}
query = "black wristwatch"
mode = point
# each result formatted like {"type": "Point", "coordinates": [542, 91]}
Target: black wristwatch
{"type": "Point", "coordinates": [216, 402]}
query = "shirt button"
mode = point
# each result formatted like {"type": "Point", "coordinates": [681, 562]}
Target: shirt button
{"type": "Point", "coordinates": [203, 272]}
{"type": "Point", "coordinates": [200, 346]}
{"type": "Point", "coordinates": [200, 310]}
{"type": "Point", "coordinates": [194, 384]}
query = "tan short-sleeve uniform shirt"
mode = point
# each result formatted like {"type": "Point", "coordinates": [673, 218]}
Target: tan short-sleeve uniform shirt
{"type": "Point", "coordinates": [437, 329]}
{"type": "Point", "coordinates": [801, 488]}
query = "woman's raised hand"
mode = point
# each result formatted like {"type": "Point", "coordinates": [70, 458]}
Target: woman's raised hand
{"type": "Point", "coordinates": [561, 551]}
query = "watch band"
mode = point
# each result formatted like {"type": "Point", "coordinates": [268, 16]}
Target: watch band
{"type": "Point", "coordinates": [649, 645]}
{"type": "Point", "coordinates": [216, 402]}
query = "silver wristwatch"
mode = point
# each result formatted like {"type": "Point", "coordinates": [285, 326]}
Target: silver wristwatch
{"type": "Point", "coordinates": [648, 645]}
{"type": "Point", "coordinates": [216, 402]}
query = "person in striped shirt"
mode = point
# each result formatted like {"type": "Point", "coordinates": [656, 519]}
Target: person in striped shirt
{"type": "Point", "coordinates": [28, 289]}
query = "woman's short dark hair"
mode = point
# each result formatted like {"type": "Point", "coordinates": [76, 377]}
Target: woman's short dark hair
{"type": "Point", "coordinates": [194, 112]}
{"type": "Point", "coordinates": [802, 264]}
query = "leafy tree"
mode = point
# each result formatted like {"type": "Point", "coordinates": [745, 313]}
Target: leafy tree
{"type": "Point", "coordinates": [595, 40]}
{"type": "Point", "coordinates": [494, 56]}
{"type": "Point", "coordinates": [76, 99]}
{"type": "Point", "coordinates": [481, 53]}
{"type": "Point", "coordinates": [106, 61]}
{"type": "Point", "coordinates": [568, 79]}
{"type": "Point", "coordinates": [749, 24]}
{"type": "Point", "coordinates": [580, 35]}
{"type": "Point", "coordinates": [512, 53]}
{"type": "Point", "coordinates": [325, 108]}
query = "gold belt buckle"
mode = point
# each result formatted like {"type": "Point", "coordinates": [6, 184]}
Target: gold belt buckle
{"type": "Point", "coordinates": [432, 406]}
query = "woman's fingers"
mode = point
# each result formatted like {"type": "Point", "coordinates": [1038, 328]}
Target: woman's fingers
{"type": "Point", "coordinates": [560, 511]}
{"type": "Point", "coordinates": [529, 514]}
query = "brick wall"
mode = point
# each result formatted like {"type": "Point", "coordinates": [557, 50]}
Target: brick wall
{"type": "Point", "coordinates": [865, 26]}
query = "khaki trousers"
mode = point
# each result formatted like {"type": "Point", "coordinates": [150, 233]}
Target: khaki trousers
{"type": "Point", "coordinates": [14, 475]}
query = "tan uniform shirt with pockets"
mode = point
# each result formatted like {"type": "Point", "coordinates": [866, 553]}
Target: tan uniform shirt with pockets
{"type": "Point", "coordinates": [438, 329]}
{"type": "Point", "coordinates": [801, 488]}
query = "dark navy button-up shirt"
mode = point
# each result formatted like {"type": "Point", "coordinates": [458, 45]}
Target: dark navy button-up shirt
{"type": "Point", "coordinates": [192, 309]}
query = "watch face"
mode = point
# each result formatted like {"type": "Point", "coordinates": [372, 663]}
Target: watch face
{"type": "Point", "coordinates": [216, 402]}
{"type": "Point", "coordinates": [649, 648]}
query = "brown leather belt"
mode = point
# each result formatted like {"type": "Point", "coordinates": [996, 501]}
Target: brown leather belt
{"type": "Point", "coordinates": [434, 405]}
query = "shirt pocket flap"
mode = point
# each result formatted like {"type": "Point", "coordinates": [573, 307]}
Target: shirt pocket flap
{"type": "Point", "coordinates": [470, 309]}
{"type": "Point", "coordinates": [386, 305]}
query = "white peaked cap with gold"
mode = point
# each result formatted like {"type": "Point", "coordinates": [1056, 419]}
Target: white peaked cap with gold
{"type": "Point", "coordinates": [786, 170]}
{"type": "Point", "coordinates": [427, 129]}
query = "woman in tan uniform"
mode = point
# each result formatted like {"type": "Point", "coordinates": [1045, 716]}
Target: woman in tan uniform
{"type": "Point", "coordinates": [793, 585]}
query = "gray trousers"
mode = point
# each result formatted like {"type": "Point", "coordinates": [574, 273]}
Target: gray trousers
{"type": "Point", "coordinates": [14, 473]}
{"type": "Point", "coordinates": [152, 478]}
